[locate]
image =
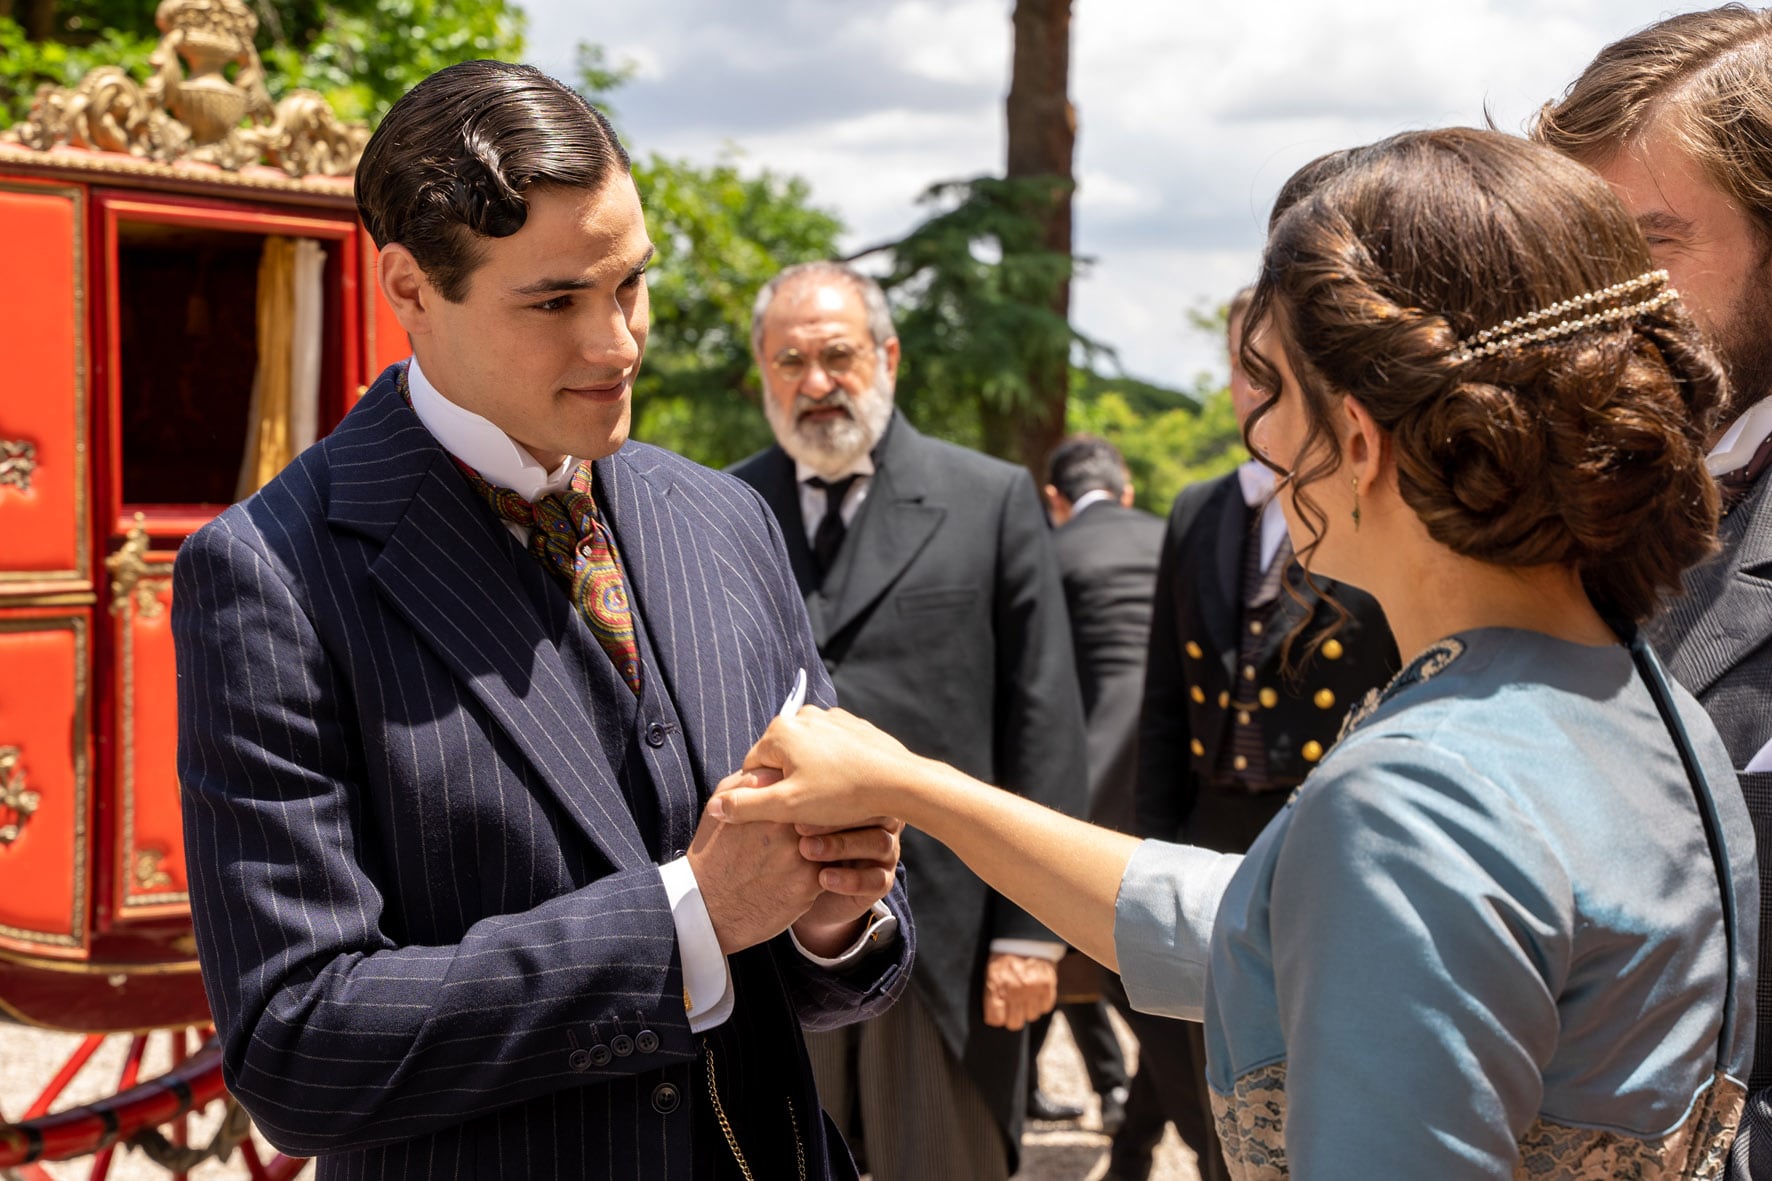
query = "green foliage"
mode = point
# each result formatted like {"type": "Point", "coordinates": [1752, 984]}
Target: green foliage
{"type": "Point", "coordinates": [364, 54]}
{"type": "Point", "coordinates": [361, 54]}
{"type": "Point", "coordinates": [26, 64]}
{"type": "Point", "coordinates": [720, 236]}
{"type": "Point", "coordinates": [972, 289]}
{"type": "Point", "coordinates": [598, 77]}
{"type": "Point", "coordinates": [1170, 438]}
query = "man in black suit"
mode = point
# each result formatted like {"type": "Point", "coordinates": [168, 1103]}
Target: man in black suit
{"type": "Point", "coordinates": [454, 689]}
{"type": "Point", "coordinates": [1250, 673]}
{"type": "Point", "coordinates": [934, 595]}
{"type": "Point", "coordinates": [1107, 557]}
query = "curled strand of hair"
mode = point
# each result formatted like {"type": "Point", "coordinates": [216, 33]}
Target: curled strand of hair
{"type": "Point", "coordinates": [479, 196]}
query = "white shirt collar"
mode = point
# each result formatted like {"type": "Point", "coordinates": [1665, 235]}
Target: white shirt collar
{"type": "Point", "coordinates": [478, 442]}
{"type": "Point", "coordinates": [1093, 496]}
{"type": "Point", "coordinates": [863, 466]}
{"type": "Point", "coordinates": [1742, 439]}
{"type": "Point", "coordinates": [1257, 483]}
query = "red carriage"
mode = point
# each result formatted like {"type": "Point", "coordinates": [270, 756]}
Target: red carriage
{"type": "Point", "coordinates": [186, 299]}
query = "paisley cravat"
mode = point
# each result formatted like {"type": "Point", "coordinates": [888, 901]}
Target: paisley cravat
{"type": "Point", "coordinates": [568, 535]}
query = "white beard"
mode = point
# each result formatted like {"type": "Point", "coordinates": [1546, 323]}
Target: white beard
{"type": "Point", "coordinates": [831, 446]}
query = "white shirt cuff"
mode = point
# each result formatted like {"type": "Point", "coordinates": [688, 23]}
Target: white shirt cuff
{"type": "Point", "coordinates": [881, 926]}
{"type": "Point", "coordinates": [1039, 949]}
{"type": "Point", "coordinates": [707, 984]}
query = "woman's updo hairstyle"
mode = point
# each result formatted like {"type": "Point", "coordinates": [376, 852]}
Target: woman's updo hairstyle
{"type": "Point", "coordinates": [1585, 449]}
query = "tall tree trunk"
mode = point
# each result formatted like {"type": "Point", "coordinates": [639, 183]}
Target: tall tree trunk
{"type": "Point", "coordinates": [37, 17]}
{"type": "Point", "coordinates": [1042, 143]}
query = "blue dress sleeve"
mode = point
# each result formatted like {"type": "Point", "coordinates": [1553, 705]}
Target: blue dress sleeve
{"type": "Point", "coordinates": [1421, 933]}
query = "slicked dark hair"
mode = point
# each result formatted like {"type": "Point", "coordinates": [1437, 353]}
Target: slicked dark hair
{"type": "Point", "coordinates": [1083, 464]}
{"type": "Point", "coordinates": [454, 160]}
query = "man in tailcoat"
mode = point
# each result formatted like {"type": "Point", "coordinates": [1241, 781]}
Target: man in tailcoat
{"type": "Point", "coordinates": [1237, 709]}
{"type": "Point", "coordinates": [935, 601]}
{"type": "Point", "coordinates": [1678, 120]}
{"type": "Point", "coordinates": [453, 690]}
{"type": "Point", "coordinates": [1107, 557]}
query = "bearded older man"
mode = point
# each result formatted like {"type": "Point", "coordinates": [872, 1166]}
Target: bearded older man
{"type": "Point", "coordinates": [933, 588]}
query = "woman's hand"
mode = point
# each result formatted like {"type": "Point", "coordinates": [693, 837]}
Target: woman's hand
{"type": "Point", "coordinates": [820, 769]}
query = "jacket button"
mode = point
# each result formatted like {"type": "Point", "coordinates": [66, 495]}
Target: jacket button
{"type": "Point", "coordinates": [666, 1098]}
{"type": "Point", "coordinates": [655, 734]}
{"type": "Point", "coordinates": [600, 1055]}
{"type": "Point", "coordinates": [646, 1042]}
{"type": "Point", "coordinates": [579, 1060]}
{"type": "Point", "coordinates": [622, 1045]}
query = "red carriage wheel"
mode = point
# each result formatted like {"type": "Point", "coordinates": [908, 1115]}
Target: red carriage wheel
{"type": "Point", "coordinates": [151, 1115]}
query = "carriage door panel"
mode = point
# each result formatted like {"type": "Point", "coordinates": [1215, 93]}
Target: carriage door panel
{"type": "Point", "coordinates": [229, 335]}
{"type": "Point", "coordinates": [45, 728]}
{"type": "Point", "coordinates": [42, 392]}
{"type": "Point", "coordinates": [148, 874]}
{"type": "Point", "coordinates": [46, 590]}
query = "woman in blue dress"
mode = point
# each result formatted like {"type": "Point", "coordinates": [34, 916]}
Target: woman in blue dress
{"type": "Point", "coordinates": [1506, 929]}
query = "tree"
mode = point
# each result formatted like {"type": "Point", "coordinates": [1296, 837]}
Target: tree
{"type": "Point", "coordinates": [1170, 438]}
{"type": "Point", "coordinates": [972, 290]}
{"type": "Point", "coordinates": [1042, 128]}
{"type": "Point", "coordinates": [720, 236]}
{"type": "Point", "coordinates": [361, 54]}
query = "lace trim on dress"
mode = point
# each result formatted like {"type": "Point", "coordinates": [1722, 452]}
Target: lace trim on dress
{"type": "Point", "coordinates": [1697, 1150]}
{"type": "Point", "coordinates": [1251, 1124]}
{"type": "Point", "coordinates": [1435, 659]}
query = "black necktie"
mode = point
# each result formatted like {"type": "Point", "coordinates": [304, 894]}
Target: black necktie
{"type": "Point", "coordinates": [828, 537]}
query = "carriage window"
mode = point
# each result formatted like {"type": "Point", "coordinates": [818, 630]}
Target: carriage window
{"type": "Point", "coordinates": [221, 336]}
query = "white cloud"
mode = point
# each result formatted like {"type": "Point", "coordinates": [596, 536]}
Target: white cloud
{"type": "Point", "coordinates": [1191, 116]}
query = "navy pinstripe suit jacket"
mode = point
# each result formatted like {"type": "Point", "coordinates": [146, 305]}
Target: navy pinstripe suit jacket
{"type": "Point", "coordinates": [417, 885]}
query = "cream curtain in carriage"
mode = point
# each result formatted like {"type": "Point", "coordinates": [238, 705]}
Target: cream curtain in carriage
{"type": "Point", "coordinates": [284, 415]}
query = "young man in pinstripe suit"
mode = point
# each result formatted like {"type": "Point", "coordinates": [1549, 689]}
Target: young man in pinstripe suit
{"type": "Point", "coordinates": [453, 690]}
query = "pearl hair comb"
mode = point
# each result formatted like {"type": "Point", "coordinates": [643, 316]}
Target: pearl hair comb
{"type": "Point", "coordinates": [1533, 327]}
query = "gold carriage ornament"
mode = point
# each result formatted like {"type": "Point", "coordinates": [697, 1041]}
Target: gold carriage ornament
{"type": "Point", "coordinates": [17, 801]}
{"type": "Point", "coordinates": [190, 109]}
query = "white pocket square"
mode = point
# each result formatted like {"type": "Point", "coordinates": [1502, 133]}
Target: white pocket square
{"type": "Point", "coordinates": [1762, 760]}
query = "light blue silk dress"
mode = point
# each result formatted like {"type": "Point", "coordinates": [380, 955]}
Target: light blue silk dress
{"type": "Point", "coordinates": [1487, 938]}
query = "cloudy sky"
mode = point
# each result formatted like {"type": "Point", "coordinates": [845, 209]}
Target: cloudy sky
{"type": "Point", "coordinates": [1191, 114]}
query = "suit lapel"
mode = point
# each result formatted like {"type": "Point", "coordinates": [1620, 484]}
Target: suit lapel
{"type": "Point", "coordinates": [1725, 613]}
{"type": "Point", "coordinates": [890, 531]}
{"type": "Point", "coordinates": [683, 575]}
{"type": "Point", "coordinates": [1222, 595]}
{"type": "Point", "coordinates": [445, 566]}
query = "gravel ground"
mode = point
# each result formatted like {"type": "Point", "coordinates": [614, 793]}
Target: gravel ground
{"type": "Point", "coordinates": [1050, 1152]}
